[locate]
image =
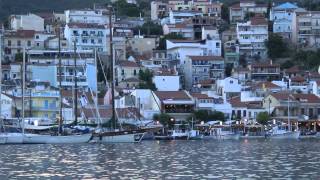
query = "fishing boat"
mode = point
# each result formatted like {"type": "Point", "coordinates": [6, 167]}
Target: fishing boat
{"type": "Point", "coordinates": [195, 135]}
{"type": "Point", "coordinates": [222, 134]}
{"type": "Point", "coordinates": [282, 133]}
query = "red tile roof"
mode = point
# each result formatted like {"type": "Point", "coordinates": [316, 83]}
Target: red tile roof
{"type": "Point", "coordinates": [236, 102]}
{"type": "Point", "coordinates": [21, 34]}
{"type": "Point", "coordinates": [200, 96]}
{"type": "Point", "coordinates": [294, 69]}
{"type": "Point", "coordinates": [92, 113]}
{"type": "Point", "coordinates": [174, 95]}
{"type": "Point", "coordinates": [308, 98]}
{"type": "Point", "coordinates": [298, 79]}
{"type": "Point", "coordinates": [206, 82]}
{"type": "Point", "coordinates": [128, 64]}
{"type": "Point", "coordinates": [258, 19]}
{"type": "Point", "coordinates": [282, 96]}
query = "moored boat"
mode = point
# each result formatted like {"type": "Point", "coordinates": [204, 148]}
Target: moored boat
{"type": "Point", "coordinates": [50, 139]}
{"type": "Point", "coordinates": [278, 133]}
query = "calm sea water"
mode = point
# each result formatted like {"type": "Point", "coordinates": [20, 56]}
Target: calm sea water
{"type": "Point", "coordinates": [250, 159]}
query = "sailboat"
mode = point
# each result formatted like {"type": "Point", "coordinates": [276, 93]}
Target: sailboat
{"type": "Point", "coordinates": [116, 136]}
{"type": "Point", "coordinates": [59, 139]}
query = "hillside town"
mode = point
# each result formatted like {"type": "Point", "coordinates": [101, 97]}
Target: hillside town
{"type": "Point", "coordinates": [187, 62]}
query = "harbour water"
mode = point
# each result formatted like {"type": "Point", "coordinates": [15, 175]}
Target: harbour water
{"type": "Point", "coordinates": [294, 159]}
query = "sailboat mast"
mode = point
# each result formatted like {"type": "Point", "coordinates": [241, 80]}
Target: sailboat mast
{"type": "Point", "coordinates": [23, 86]}
{"type": "Point", "coordinates": [112, 69]}
{"type": "Point", "coordinates": [96, 98]}
{"type": "Point", "coordinates": [75, 85]}
{"type": "Point", "coordinates": [1, 40]}
{"type": "Point", "coordinates": [60, 79]}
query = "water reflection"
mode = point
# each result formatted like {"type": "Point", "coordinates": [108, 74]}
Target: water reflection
{"type": "Point", "coordinates": [164, 160]}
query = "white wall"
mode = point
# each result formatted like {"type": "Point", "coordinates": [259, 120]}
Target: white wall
{"type": "Point", "coordinates": [167, 83]}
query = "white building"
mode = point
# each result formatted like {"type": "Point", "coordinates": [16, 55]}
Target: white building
{"type": "Point", "coordinates": [145, 101]}
{"type": "Point", "coordinates": [180, 16]}
{"type": "Point", "coordinates": [184, 29]}
{"type": "Point", "coordinates": [86, 36]}
{"type": "Point", "coordinates": [201, 68]}
{"type": "Point", "coordinates": [166, 81]}
{"type": "Point", "coordinates": [158, 10]}
{"type": "Point", "coordinates": [180, 49]}
{"type": "Point", "coordinates": [44, 67]}
{"type": "Point", "coordinates": [87, 16]}
{"type": "Point", "coordinates": [252, 36]}
{"type": "Point", "coordinates": [27, 22]}
{"type": "Point", "coordinates": [228, 87]}
{"type": "Point", "coordinates": [306, 29]}
{"type": "Point", "coordinates": [240, 10]}
{"type": "Point", "coordinates": [282, 19]}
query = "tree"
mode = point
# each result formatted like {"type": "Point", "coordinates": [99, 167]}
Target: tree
{"type": "Point", "coordinates": [263, 118]}
{"type": "Point", "coordinates": [207, 115]}
{"type": "Point", "coordinates": [165, 119]}
{"type": "Point", "coordinates": [146, 76]}
{"type": "Point", "coordinates": [248, 16]}
{"type": "Point", "coordinates": [276, 46]}
{"type": "Point", "coordinates": [19, 57]}
{"type": "Point", "coordinates": [225, 13]}
{"type": "Point", "coordinates": [122, 8]}
{"type": "Point", "coordinates": [162, 42]}
{"type": "Point", "coordinates": [149, 28]}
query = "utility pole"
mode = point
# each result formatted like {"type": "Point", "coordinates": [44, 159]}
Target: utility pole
{"type": "Point", "coordinates": [75, 85]}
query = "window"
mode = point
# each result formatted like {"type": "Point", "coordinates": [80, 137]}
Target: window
{"type": "Point", "coordinates": [302, 111]}
{"type": "Point", "coordinates": [122, 72]}
{"type": "Point", "coordinates": [134, 72]}
{"type": "Point", "coordinates": [92, 41]}
{"type": "Point", "coordinates": [19, 43]}
{"type": "Point", "coordinates": [310, 112]}
{"type": "Point", "coordinates": [100, 41]}
{"type": "Point", "coordinates": [38, 44]}
{"type": "Point", "coordinates": [85, 33]}
{"type": "Point", "coordinates": [37, 36]}
{"type": "Point", "coordinates": [218, 45]}
{"type": "Point", "coordinates": [29, 43]}
{"type": "Point", "coordinates": [100, 33]}
{"type": "Point", "coordinates": [46, 104]}
{"type": "Point", "coordinates": [84, 41]}
{"type": "Point", "coordinates": [9, 42]}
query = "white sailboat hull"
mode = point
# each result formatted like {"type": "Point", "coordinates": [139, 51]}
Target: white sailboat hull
{"type": "Point", "coordinates": [48, 139]}
{"type": "Point", "coordinates": [3, 140]}
{"type": "Point", "coordinates": [286, 135]}
{"type": "Point", "coordinates": [12, 138]}
{"type": "Point", "coordinates": [123, 138]}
